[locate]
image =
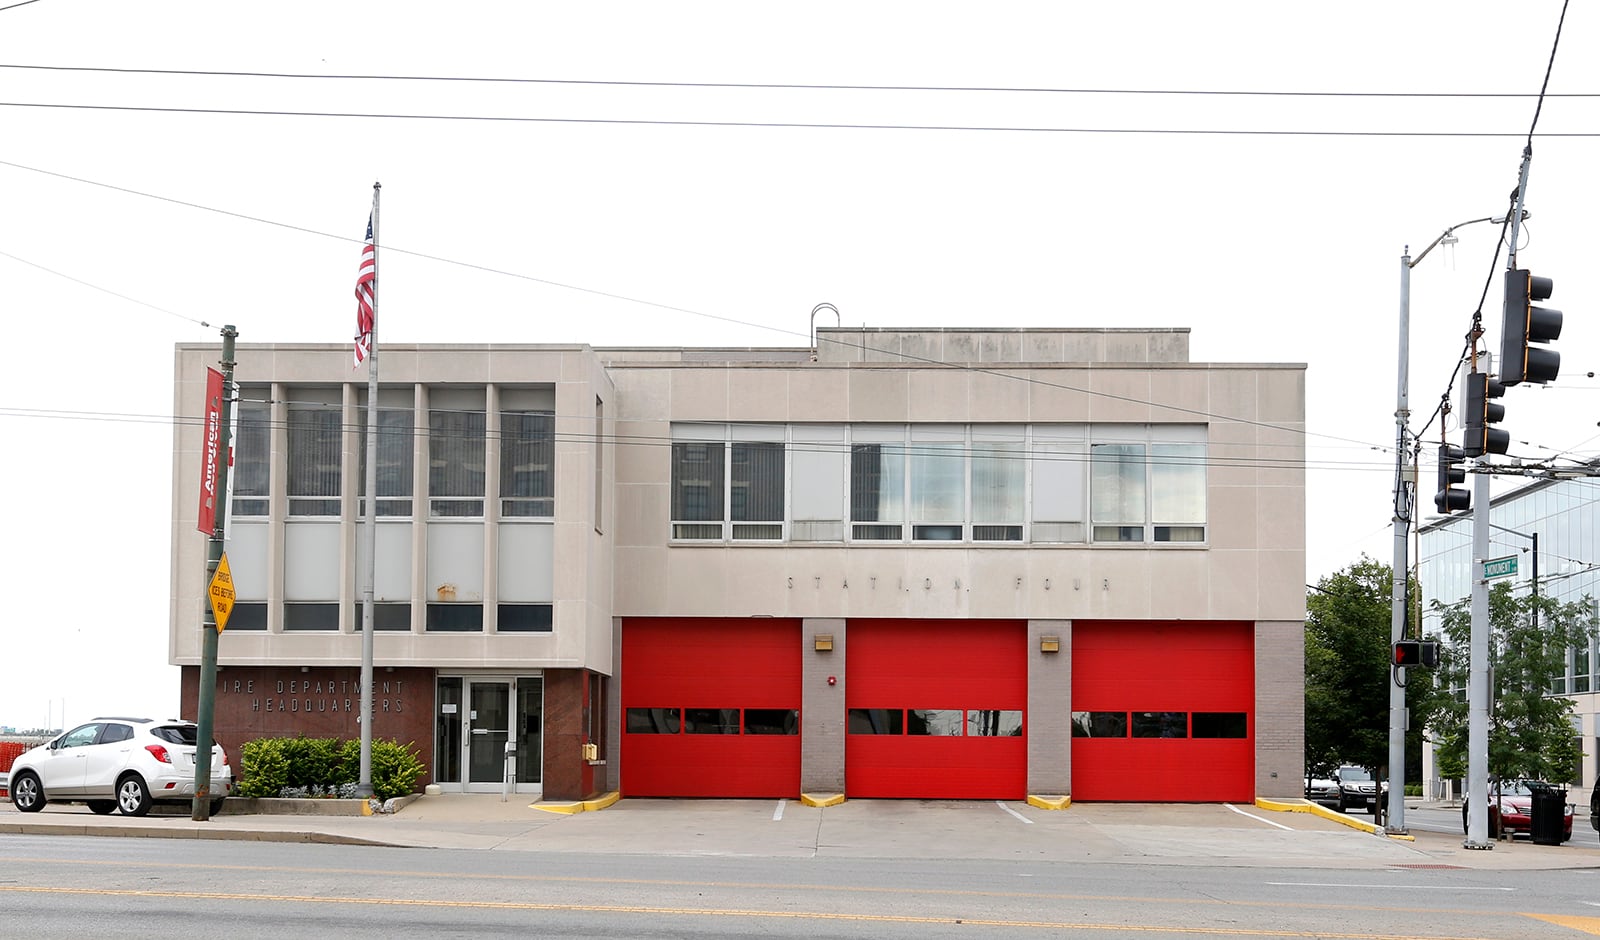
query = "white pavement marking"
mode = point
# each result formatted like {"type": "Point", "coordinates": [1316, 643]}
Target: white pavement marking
{"type": "Point", "coordinates": [1013, 812]}
{"type": "Point", "coordinates": [1408, 887]}
{"type": "Point", "coordinates": [777, 814]}
{"type": "Point", "coordinates": [1258, 818]}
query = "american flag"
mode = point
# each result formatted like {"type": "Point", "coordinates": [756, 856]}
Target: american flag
{"type": "Point", "coordinates": [366, 289]}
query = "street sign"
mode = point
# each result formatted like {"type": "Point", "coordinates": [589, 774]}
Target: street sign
{"type": "Point", "coordinates": [221, 592]}
{"type": "Point", "coordinates": [1500, 567]}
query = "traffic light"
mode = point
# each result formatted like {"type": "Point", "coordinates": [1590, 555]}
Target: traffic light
{"type": "Point", "coordinates": [1478, 438]}
{"type": "Point", "coordinates": [1416, 653]}
{"type": "Point", "coordinates": [1448, 499]}
{"type": "Point", "coordinates": [1525, 324]}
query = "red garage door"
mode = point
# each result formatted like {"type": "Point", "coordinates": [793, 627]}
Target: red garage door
{"type": "Point", "coordinates": [935, 709]}
{"type": "Point", "coordinates": [1163, 712]}
{"type": "Point", "coordinates": [711, 708]}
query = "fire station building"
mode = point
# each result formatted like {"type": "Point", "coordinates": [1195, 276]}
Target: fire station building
{"type": "Point", "coordinates": [918, 563]}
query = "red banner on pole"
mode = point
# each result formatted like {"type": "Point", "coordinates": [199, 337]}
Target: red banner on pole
{"type": "Point", "coordinates": [209, 452]}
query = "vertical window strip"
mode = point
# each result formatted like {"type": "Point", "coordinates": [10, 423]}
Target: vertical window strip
{"type": "Point", "coordinates": [527, 464]}
{"type": "Point", "coordinates": [250, 477]}
{"type": "Point", "coordinates": [457, 452]}
{"type": "Point", "coordinates": [316, 450]}
{"type": "Point", "coordinates": [396, 459]}
{"type": "Point", "coordinates": [1117, 492]}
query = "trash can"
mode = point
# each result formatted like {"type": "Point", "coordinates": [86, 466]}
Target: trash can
{"type": "Point", "coordinates": [1548, 813]}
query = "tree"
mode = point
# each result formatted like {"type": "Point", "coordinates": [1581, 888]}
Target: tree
{"type": "Point", "coordinates": [1530, 729]}
{"type": "Point", "coordinates": [1349, 634]}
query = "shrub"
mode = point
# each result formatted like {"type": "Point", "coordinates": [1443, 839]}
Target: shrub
{"type": "Point", "coordinates": [396, 768]}
{"type": "Point", "coordinates": [272, 767]}
{"type": "Point", "coordinates": [263, 768]}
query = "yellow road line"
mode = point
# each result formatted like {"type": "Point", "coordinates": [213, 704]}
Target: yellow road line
{"type": "Point", "coordinates": [1232, 931]}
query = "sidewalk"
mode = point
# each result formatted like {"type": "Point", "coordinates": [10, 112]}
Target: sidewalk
{"type": "Point", "coordinates": [1170, 834]}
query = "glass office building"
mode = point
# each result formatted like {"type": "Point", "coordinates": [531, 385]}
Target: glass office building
{"type": "Point", "coordinates": [1553, 529]}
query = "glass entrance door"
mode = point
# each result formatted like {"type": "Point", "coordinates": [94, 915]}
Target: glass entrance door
{"type": "Point", "coordinates": [477, 718]}
{"type": "Point", "coordinates": [488, 728]}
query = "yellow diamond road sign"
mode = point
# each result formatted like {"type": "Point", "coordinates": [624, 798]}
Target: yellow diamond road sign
{"type": "Point", "coordinates": [221, 591]}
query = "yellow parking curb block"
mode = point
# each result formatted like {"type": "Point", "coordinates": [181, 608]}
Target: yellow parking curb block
{"type": "Point", "coordinates": [822, 799]}
{"type": "Point", "coordinates": [1317, 809]}
{"type": "Point", "coordinates": [578, 806]}
{"type": "Point", "coordinates": [1049, 802]}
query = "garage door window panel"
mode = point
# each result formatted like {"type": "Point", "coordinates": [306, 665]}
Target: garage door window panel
{"type": "Point", "coordinates": [1220, 725]}
{"type": "Point", "coordinates": [1160, 724]}
{"type": "Point", "coordinates": [994, 723]}
{"type": "Point", "coordinates": [1099, 724]}
{"type": "Point", "coordinates": [711, 721]}
{"type": "Point", "coordinates": [877, 721]}
{"type": "Point", "coordinates": [778, 721]}
{"type": "Point", "coordinates": [935, 722]}
{"type": "Point", "coordinates": [653, 721]}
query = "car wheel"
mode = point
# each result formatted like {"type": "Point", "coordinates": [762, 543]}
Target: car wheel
{"type": "Point", "coordinates": [216, 806]}
{"type": "Point", "coordinates": [132, 796]}
{"type": "Point", "coordinates": [102, 807]}
{"type": "Point", "coordinates": [1340, 805]}
{"type": "Point", "coordinates": [26, 793]}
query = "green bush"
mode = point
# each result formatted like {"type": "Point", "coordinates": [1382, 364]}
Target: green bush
{"type": "Point", "coordinates": [313, 762]}
{"type": "Point", "coordinates": [270, 766]}
{"type": "Point", "coordinates": [396, 768]}
{"type": "Point", "coordinates": [263, 768]}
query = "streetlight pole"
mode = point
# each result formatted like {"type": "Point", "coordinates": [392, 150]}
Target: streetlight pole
{"type": "Point", "coordinates": [1405, 497]}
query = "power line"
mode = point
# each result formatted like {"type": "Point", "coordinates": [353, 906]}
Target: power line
{"type": "Point", "coordinates": [799, 125]}
{"type": "Point", "coordinates": [794, 86]}
{"type": "Point", "coordinates": [1010, 376]}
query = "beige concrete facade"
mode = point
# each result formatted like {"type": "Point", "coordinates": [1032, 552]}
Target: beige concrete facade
{"type": "Point", "coordinates": [613, 556]}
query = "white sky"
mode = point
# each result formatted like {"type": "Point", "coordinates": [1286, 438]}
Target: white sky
{"type": "Point", "coordinates": [1278, 248]}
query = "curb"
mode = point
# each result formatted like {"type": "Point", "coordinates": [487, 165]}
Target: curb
{"type": "Point", "coordinates": [578, 806]}
{"type": "Point", "coordinates": [1317, 809]}
{"type": "Point", "coordinates": [822, 799]}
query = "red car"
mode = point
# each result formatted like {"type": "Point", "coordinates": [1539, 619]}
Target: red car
{"type": "Point", "coordinates": [1514, 814]}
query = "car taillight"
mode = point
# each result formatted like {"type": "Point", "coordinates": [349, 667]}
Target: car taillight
{"type": "Point", "coordinates": [159, 753]}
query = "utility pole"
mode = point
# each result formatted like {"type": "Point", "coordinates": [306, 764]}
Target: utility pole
{"type": "Point", "coordinates": [1478, 691]}
{"type": "Point", "coordinates": [201, 805]}
{"type": "Point", "coordinates": [1404, 500]}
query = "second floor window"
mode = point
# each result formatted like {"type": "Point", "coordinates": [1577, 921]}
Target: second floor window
{"type": "Point", "coordinates": [456, 455]}
{"type": "Point", "coordinates": [527, 464]}
{"type": "Point", "coordinates": [251, 476]}
{"type": "Point", "coordinates": [991, 483]}
{"type": "Point", "coordinates": [316, 451]}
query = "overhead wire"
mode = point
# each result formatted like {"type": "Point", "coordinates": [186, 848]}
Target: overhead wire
{"type": "Point", "coordinates": [787, 86]}
{"type": "Point", "coordinates": [854, 346]}
{"type": "Point", "coordinates": [805, 125]}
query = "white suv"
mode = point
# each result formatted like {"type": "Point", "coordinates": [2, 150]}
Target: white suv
{"type": "Point", "coordinates": [118, 763]}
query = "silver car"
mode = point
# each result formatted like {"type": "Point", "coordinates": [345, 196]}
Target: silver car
{"type": "Point", "coordinates": [118, 763]}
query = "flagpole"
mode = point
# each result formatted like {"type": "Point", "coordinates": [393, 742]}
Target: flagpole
{"type": "Point", "coordinates": [369, 532]}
